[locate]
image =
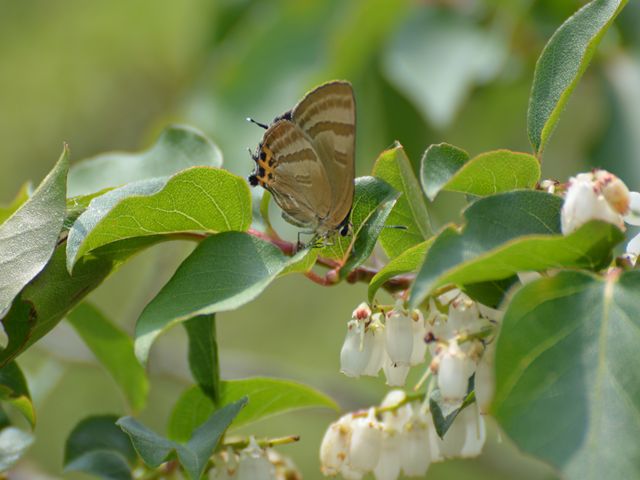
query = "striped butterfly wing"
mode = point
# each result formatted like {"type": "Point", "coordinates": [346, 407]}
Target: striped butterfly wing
{"type": "Point", "coordinates": [327, 116]}
{"type": "Point", "coordinates": [289, 167]}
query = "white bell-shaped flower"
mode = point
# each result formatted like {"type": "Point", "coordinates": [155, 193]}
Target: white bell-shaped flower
{"type": "Point", "coordinates": [334, 448]}
{"type": "Point", "coordinates": [454, 438]}
{"type": "Point", "coordinates": [594, 196]}
{"type": "Point", "coordinates": [476, 432]}
{"type": "Point", "coordinates": [395, 374]}
{"type": "Point", "coordinates": [633, 215]}
{"type": "Point", "coordinates": [416, 454]}
{"type": "Point", "coordinates": [389, 464]}
{"type": "Point", "coordinates": [453, 373]}
{"type": "Point", "coordinates": [395, 420]}
{"type": "Point", "coordinates": [284, 466]}
{"type": "Point", "coordinates": [399, 336]}
{"type": "Point", "coordinates": [373, 345]}
{"type": "Point", "coordinates": [633, 249]}
{"type": "Point", "coordinates": [354, 359]}
{"type": "Point", "coordinates": [349, 473]}
{"type": "Point", "coordinates": [366, 442]}
{"type": "Point", "coordinates": [419, 331]}
{"type": "Point", "coordinates": [254, 464]}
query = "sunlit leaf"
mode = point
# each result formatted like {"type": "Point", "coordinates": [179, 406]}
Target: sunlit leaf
{"type": "Point", "coordinates": [21, 197]}
{"type": "Point", "coordinates": [14, 390]}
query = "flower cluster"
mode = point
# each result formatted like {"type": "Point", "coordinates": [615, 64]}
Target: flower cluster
{"type": "Point", "coordinates": [392, 342]}
{"type": "Point", "coordinates": [600, 195]}
{"type": "Point", "coordinates": [253, 463]}
{"type": "Point", "coordinates": [399, 436]}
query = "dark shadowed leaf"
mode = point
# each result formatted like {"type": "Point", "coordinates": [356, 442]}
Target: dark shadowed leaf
{"type": "Point", "coordinates": [14, 390]}
{"type": "Point", "coordinates": [203, 354]}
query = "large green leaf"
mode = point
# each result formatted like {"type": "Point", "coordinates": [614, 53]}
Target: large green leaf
{"type": "Point", "coordinates": [267, 397]}
{"type": "Point", "coordinates": [47, 298]}
{"type": "Point", "coordinates": [203, 354]}
{"type": "Point", "coordinates": [114, 349]}
{"type": "Point", "coordinates": [406, 262]}
{"type": "Point", "coordinates": [14, 390]}
{"type": "Point", "coordinates": [194, 455]}
{"type": "Point", "coordinates": [21, 197]}
{"type": "Point", "coordinates": [224, 272]}
{"type": "Point", "coordinates": [199, 199]}
{"type": "Point", "coordinates": [444, 168]}
{"type": "Point", "coordinates": [98, 447]}
{"type": "Point", "coordinates": [568, 373]}
{"type": "Point", "coordinates": [373, 201]}
{"type": "Point", "coordinates": [410, 210]}
{"type": "Point", "coordinates": [509, 233]}
{"type": "Point", "coordinates": [29, 236]}
{"type": "Point", "coordinates": [562, 63]}
{"type": "Point", "coordinates": [177, 148]}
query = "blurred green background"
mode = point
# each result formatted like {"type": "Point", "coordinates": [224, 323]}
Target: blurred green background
{"type": "Point", "coordinates": [110, 75]}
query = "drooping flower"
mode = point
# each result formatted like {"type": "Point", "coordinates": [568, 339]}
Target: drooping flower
{"type": "Point", "coordinates": [254, 463]}
{"type": "Point", "coordinates": [399, 336]}
{"type": "Point", "coordinates": [366, 442]}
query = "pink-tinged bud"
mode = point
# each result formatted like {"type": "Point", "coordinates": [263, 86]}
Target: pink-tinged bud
{"type": "Point", "coordinates": [399, 336]}
{"type": "Point", "coordinates": [366, 442]}
{"type": "Point", "coordinates": [362, 312]}
{"type": "Point", "coordinates": [334, 448]}
{"type": "Point", "coordinates": [585, 200]}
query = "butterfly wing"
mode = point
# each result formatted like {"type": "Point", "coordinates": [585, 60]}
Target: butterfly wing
{"type": "Point", "coordinates": [289, 167]}
{"type": "Point", "coordinates": [327, 116]}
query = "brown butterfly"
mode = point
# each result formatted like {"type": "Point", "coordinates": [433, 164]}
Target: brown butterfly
{"type": "Point", "coordinates": [306, 160]}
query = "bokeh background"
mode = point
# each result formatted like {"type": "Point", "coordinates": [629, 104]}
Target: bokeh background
{"type": "Point", "coordinates": [110, 75]}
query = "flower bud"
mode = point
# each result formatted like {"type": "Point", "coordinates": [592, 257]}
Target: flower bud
{"type": "Point", "coordinates": [334, 448]}
{"type": "Point", "coordinates": [399, 336]}
{"type": "Point", "coordinates": [362, 312]}
{"type": "Point", "coordinates": [366, 442]}
{"type": "Point", "coordinates": [586, 200]}
{"type": "Point", "coordinates": [453, 377]}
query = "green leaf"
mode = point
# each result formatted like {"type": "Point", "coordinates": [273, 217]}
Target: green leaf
{"type": "Point", "coordinates": [509, 233]}
{"type": "Point", "coordinates": [444, 414]}
{"type": "Point", "coordinates": [224, 272]}
{"type": "Point", "coordinates": [177, 148]}
{"type": "Point", "coordinates": [373, 201]}
{"type": "Point", "coordinates": [13, 445]}
{"type": "Point", "coordinates": [29, 236]}
{"type": "Point", "coordinates": [486, 174]}
{"type": "Point", "coordinates": [490, 293]}
{"type": "Point", "coordinates": [47, 299]}
{"type": "Point", "coordinates": [199, 199]}
{"type": "Point", "coordinates": [193, 455]}
{"type": "Point", "coordinates": [410, 210]}
{"type": "Point", "coordinates": [438, 165]}
{"type": "Point", "coordinates": [21, 197]}
{"type": "Point", "coordinates": [406, 262]}
{"type": "Point", "coordinates": [267, 397]}
{"type": "Point", "coordinates": [561, 64]}
{"type": "Point", "coordinates": [98, 447]}
{"type": "Point", "coordinates": [203, 354]}
{"type": "Point", "coordinates": [568, 373]}
{"type": "Point", "coordinates": [114, 349]}
{"type": "Point", "coordinates": [14, 390]}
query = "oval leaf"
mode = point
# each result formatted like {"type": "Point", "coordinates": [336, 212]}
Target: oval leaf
{"type": "Point", "coordinates": [203, 354]}
{"type": "Point", "coordinates": [487, 174]}
{"type": "Point", "coordinates": [199, 199]}
{"type": "Point", "coordinates": [267, 397]}
{"type": "Point", "coordinates": [524, 236]}
{"type": "Point", "coordinates": [568, 373]}
{"type": "Point", "coordinates": [29, 236]}
{"type": "Point", "coordinates": [224, 272]}
{"type": "Point", "coordinates": [562, 63]}
{"type": "Point", "coordinates": [114, 349]}
{"type": "Point", "coordinates": [177, 148]}
{"type": "Point", "coordinates": [410, 210]}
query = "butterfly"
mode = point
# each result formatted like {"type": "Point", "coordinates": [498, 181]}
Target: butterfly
{"type": "Point", "coordinates": [306, 160]}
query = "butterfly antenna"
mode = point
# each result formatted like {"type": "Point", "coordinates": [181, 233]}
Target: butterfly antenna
{"type": "Point", "coordinates": [249, 119]}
